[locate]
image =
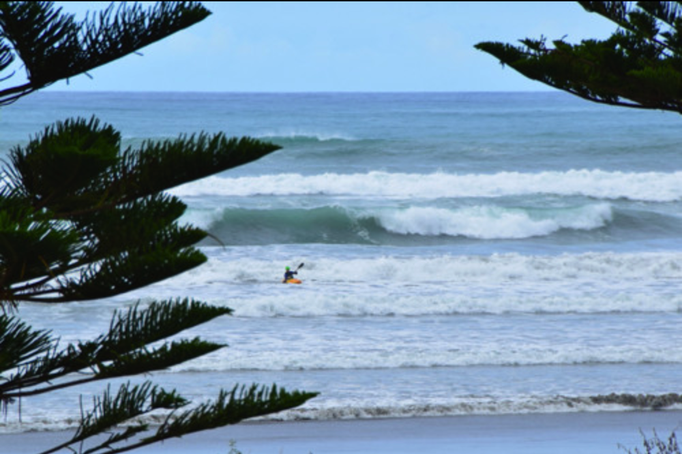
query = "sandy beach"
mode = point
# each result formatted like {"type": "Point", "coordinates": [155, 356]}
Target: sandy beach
{"type": "Point", "coordinates": [585, 433]}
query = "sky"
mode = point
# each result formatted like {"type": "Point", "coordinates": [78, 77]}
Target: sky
{"type": "Point", "coordinates": [340, 47]}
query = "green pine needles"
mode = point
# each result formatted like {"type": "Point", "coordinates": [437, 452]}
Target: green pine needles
{"type": "Point", "coordinates": [639, 65]}
{"type": "Point", "coordinates": [31, 363]}
{"type": "Point", "coordinates": [40, 367]}
{"type": "Point", "coordinates": [53, 46]}
{"type": "Point", "coordinates": [83, 219]}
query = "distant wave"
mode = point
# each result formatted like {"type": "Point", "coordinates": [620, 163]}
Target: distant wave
{"type": "Point", "coordinates": [646, 186]}
{"type": "Point", "coordinates": [293, 137]}
{"type": "Point", "coordinates": [339, 225]}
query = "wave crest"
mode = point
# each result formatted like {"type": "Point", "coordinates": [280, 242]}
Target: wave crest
{"type": "Point", "coordinates": [647, 186]}
{"type": "Point", "coordinates": [394, 225]}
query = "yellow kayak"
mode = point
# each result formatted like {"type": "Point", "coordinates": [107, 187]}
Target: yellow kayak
{"type": "Point", "coordinates": [294, 281]}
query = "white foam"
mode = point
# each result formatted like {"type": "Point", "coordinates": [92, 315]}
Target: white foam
{"type": "Point", "coordinates": [398, 352]}
{"type": "Point", "coordinates": [294, 134]}
{"type": "Point", "coordinates": [442, 284]}
{"type": "Point", "coordinates": [489, 222]}
{"type": "Point", "coordinates": [645, 186]}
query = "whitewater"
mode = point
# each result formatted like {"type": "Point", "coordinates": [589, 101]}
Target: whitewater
{"type": "Point", "coordinates": [464, 253]}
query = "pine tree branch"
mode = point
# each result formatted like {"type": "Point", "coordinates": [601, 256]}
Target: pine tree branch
{"type": "Point", "coordinates": [6, 57]}
{"type": "Point", "coordinates": [159, 166]}
{"type": "Point", "coordinates": [54, 46]}
{"type": "Point", "coordinates": [159, 320]}
{"type": "Point", "coordinates": [121, 230]}
{"type": "Point", "coordinates": [639, 66]}
{"type": "Point", "coordinates": [119, 352]}
{"type": "Point", "coordinates": [18, 344]}
{"type": "Point", "coordinates": [127, 272]}
{"type": "Point", "coordinates": [110, 411]}
{"type": "Point", "coordinates": [230, 407]}
{"type": "Point", "coordinates": [164, 357]}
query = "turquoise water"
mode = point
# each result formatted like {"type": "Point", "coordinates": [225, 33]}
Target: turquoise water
{"type": "Point", "coordinates": [465, 253]}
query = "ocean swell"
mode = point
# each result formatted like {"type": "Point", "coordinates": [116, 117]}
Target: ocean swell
{"type": "Point", "coordinates": [392, 225]}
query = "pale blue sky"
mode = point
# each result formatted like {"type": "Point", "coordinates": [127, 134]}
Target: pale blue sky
{"type": "Point", "coordinates": [341, 46]}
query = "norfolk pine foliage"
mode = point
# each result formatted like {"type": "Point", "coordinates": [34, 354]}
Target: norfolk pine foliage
{"type": "Point", "coordinates": [83, 219]}
{"type": "Point", "coordinates": [638, 66]}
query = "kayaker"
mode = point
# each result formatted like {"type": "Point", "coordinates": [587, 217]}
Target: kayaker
{"type": "Point", "coordinates": [288, 274]}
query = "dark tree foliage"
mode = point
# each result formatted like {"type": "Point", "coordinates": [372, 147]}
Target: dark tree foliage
{"type": "Point", "coordinates": [639, 65]}
{"type": "Point", "coordinates": [81, 218]}
{"type": "Point", "coordinates": [53, 46]}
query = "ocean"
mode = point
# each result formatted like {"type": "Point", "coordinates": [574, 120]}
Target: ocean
{"type": "Point", "coordinates": [464, 253]}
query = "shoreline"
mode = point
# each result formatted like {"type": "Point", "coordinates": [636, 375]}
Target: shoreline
{"type": "Point", "coordinates": [587, 433]}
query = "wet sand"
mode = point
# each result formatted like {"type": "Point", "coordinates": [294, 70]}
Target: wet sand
{"type": "Point", "coordinates": [585, 433]}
